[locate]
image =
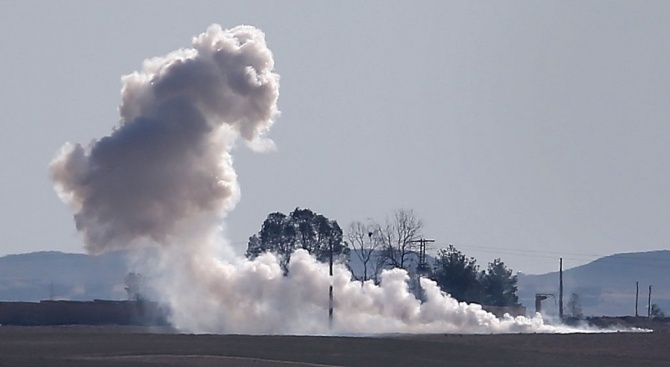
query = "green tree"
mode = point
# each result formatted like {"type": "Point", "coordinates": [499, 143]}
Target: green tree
{"type": "Point", "coordinates": [301, 229]}
{"type": "Point", "coordinates": [457, 275]}
{"type": "Point", "coordinates": [499, 285]}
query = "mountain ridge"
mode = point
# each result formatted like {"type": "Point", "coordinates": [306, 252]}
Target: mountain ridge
{"type": "Point", "coordinates": [605, 286]}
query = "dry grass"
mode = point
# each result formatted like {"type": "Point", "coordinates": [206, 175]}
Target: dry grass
{"type": "Point", "coordinates": [120, 346]}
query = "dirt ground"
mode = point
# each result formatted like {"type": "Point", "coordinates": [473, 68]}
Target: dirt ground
{"type": "Point", "coordinates": [129, 346]}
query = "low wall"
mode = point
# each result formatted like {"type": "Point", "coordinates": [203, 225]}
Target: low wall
{"type": "Point", "coordinates": [98, 312]}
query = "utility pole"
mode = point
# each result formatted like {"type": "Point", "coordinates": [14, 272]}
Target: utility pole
{"type": "Point", "coordinates": [330, 290]}
{"type": "Point", "coordinates": [422, 267]}
{"type": "Point", "coordinates": [649, 303]}
{"type": "Point", "coordinates": [422, 253]}
{"type": "Point", "coordinates": [637, 293]}
{"type": "Point", "coordinates": [560, 289]}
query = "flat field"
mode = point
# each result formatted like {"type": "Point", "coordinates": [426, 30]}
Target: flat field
{"type": "Point", "coordinates": [128, 346]}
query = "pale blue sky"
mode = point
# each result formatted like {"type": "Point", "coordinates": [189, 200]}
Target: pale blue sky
{"type": "Point", "coordinates": [524, 130]}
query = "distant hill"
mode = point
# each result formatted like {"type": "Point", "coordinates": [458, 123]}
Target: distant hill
{"type": "Point", "coordinates": [606, 286]}
{"type": "Point", "coordinates": [55, 275]}
{"type": "Point", "coordinates": [79, 277]}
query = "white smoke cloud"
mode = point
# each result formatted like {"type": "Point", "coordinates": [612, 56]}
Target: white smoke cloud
{"type": "Point", "coordinates": [164, 177]}
{"type": "Point", "coordinates": [254, 297]}
{"type": "Point", "coordinates": [168, 160]}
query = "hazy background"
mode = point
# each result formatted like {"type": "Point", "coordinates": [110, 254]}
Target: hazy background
{"type": "Point", "coordinates": [523, 130]}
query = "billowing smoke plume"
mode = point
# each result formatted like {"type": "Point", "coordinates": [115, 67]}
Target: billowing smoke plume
{"type": "Point", "coordinates": [164, 177]}
{"type": "Point", "coordinates": [167, 162]}
{"type": "Point", "coordinates": [255, 297]}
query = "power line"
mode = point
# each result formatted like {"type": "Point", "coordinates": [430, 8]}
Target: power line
{"type": "Point", "coordinates": [550, 254]}
{"type": "Point", "coordinates": [553, 254]}
{"type": "Point", "coordinates": [630, 259]}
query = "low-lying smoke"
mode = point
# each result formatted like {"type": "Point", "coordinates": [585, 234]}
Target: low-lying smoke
{"type": "Point", "coordinates": [164, 177]}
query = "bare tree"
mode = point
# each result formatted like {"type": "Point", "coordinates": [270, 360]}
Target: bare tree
{"type": "Point", "coordinates": [397, 235]}
{"type": "Point", "coordinates": [366, 244]}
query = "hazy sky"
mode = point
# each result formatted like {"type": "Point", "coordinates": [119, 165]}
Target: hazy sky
{"type": "Point", "coordinates": [524, 130]}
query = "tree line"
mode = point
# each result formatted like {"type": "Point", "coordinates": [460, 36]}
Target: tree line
{"type": "Point", "coordinates": [392, 243]}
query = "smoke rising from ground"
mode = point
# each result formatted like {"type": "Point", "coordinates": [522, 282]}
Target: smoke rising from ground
{"type": "Point", "coordinates": [254, 297]}
{"type": "Point", "coordinates": [167, 162]}
{"type": "Point", "coordinates": [164, 177]}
